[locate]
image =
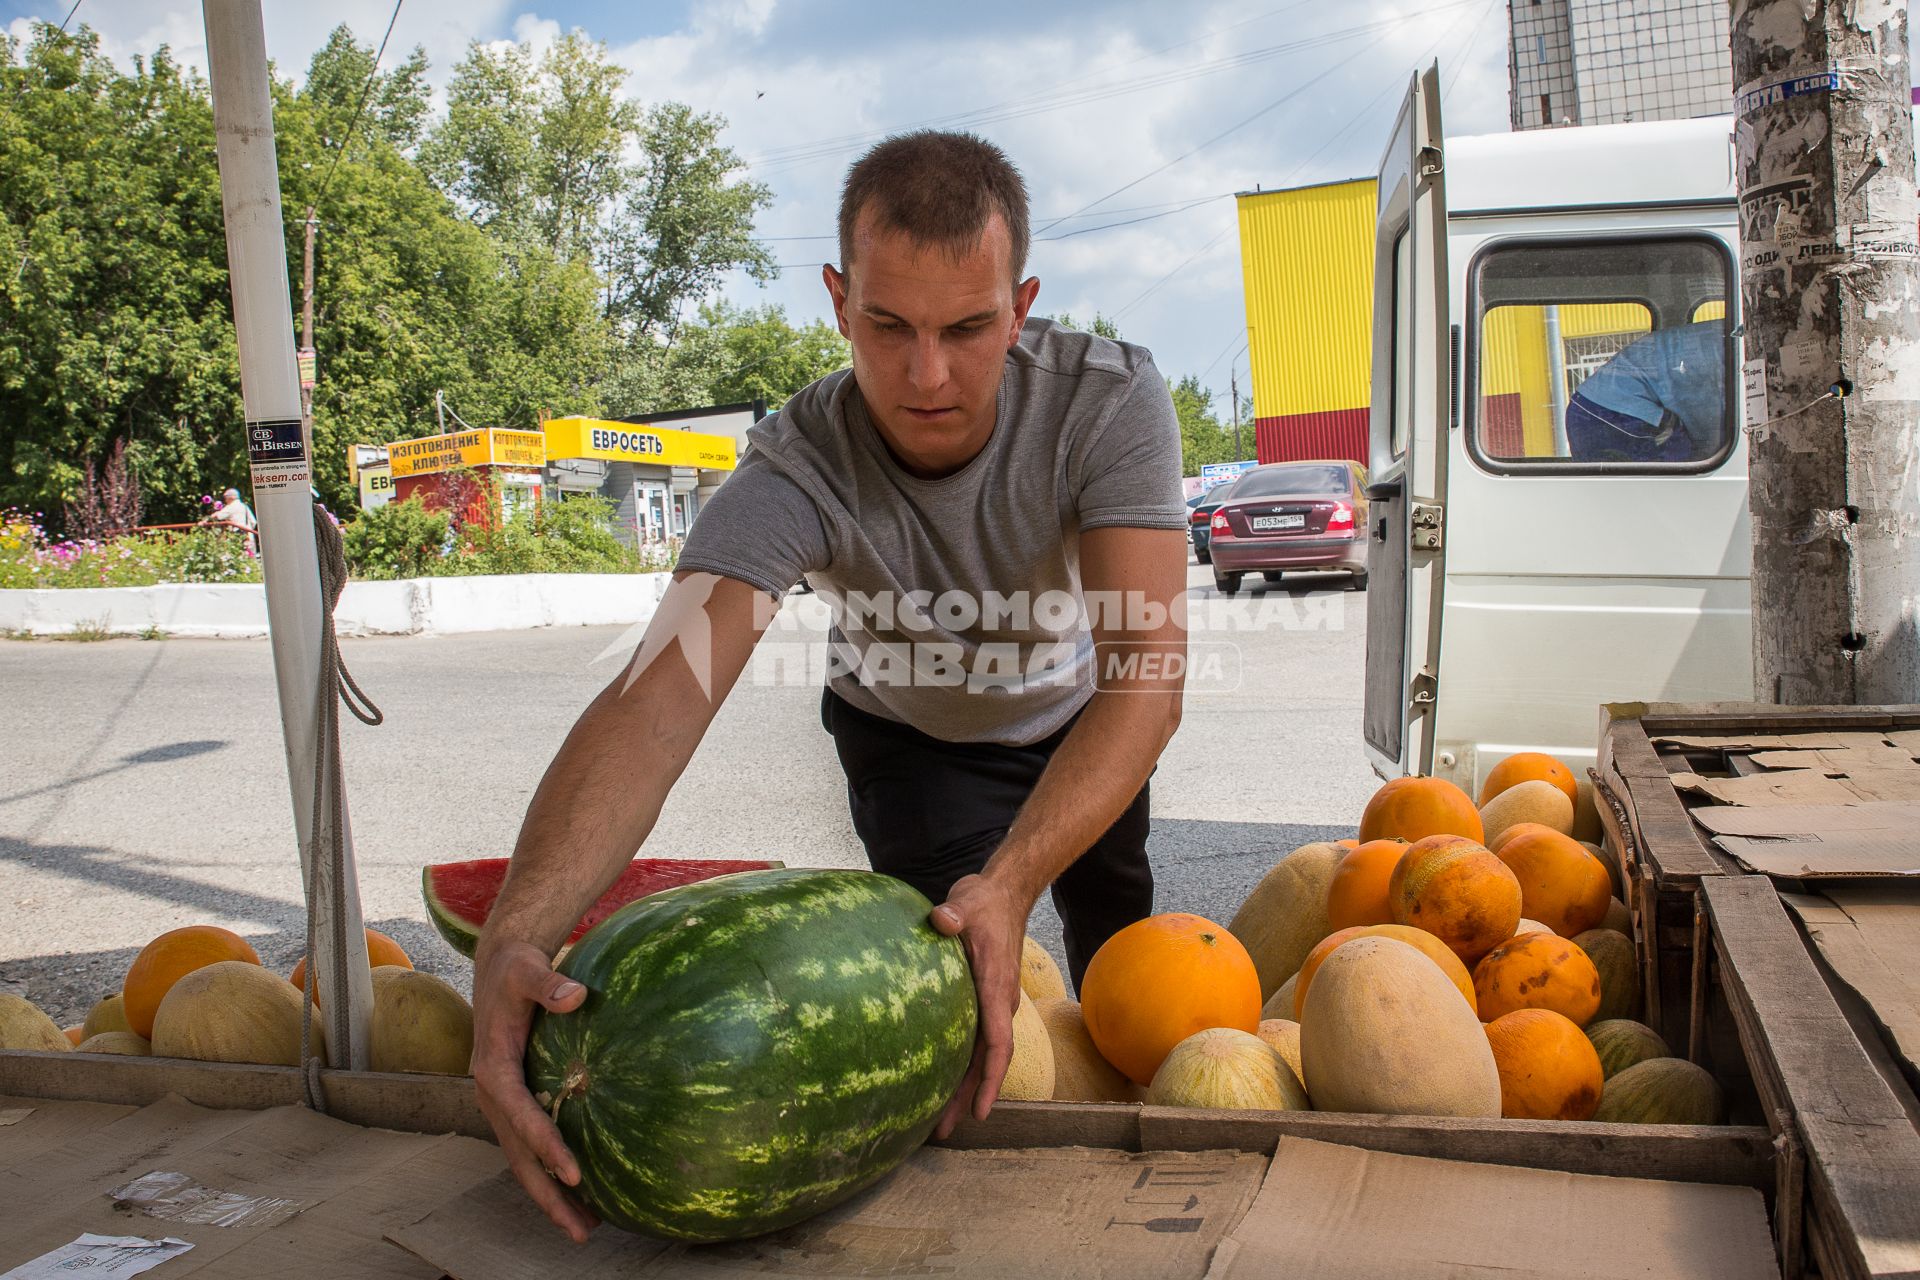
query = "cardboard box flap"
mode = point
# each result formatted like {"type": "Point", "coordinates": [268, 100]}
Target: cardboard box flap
{"type": "Point", "coordinates": [1836, 759]}
{"type": "Point", "coordinates": [1344, 1213]}
{"type": "Point", "coordinates": [1788, 787]}
{"type": "Point", "coordinates": [1869, 935]}
{"type": "Point", "coordinates": [1841, 855]}
{"type": "Point", "coordinates": [1061, 1212]}
{"type": "Point", "coordinates": [1810, 741]}
{"type": "Point", "coordinates": [1789, 821]}
{"type": "Point", "coordinates": [349, 1184]}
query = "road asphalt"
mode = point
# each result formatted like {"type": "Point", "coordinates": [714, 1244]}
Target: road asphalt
{"type": "Point", "coordinates": [143, 784]}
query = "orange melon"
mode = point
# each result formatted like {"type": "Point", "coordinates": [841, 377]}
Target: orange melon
{"type": "Point", "coordinates": [1548, 1067]}
{"type": "Point", "coordinates": [167, 959]}
{"type": "Point", "coordinates": [1458, 892]}
{"type": "Point", "coordinates": [1528, 766]}
{"type": "Point", "coordinates": [1357, 894]}
{"type": "Point", "coordinates": [1158, 981]}
{"type": "Point", "coordinates": [1414, 807]}
{"type": "Point", "coordinates": [1537, 971]}
{"type": "Point", "coordinates": [1419, 939]}
{"type": "Point", "coordinates": [1561, 885]}
{"type": "Point", "coordinates": [381, 951]}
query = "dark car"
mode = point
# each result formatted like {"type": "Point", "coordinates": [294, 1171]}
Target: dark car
{"type": "Point", "coordinates": [1291, 515]}
{"type": "Point", "coordinates": [1199, 511]}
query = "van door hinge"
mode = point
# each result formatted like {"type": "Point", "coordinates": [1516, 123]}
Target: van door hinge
{"type": "Point", "coordinates": [1428, 163]}
{"type": "Point", "coordinates": [1427, 522]}
{"type": "Point", "coordinates": [1422, 690]}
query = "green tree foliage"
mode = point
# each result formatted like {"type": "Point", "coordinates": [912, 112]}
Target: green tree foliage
{"type": "Point", "coordinates": [1202, 438]}
{"type": "Point", "coordinates": [1100, 326]}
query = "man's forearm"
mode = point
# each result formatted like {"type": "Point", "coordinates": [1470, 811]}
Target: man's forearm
{"type": "Point", "coordinates": [1088, 784]}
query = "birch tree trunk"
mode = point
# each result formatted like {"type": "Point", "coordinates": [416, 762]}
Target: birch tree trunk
{"type": "Point", "coordinates": [1831, 304]}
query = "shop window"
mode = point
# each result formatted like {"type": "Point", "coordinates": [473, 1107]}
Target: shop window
{"type": "Point", "coordinates": [1602, 355]}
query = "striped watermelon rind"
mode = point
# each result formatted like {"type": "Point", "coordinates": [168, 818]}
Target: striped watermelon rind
{"type": "Point", "coordinates": [753, 1049]}
{"type": "Point", "coordinates": [460, 895]}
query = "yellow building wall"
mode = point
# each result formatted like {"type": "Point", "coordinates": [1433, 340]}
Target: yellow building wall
{"type": "Point", "coordinates": [1306, 262]}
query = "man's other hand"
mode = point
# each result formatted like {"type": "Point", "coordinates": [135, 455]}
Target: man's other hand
{"type": "Point", "coordinates": [990, 920]}
{"type": "Point", "coordinates": [509, 982]}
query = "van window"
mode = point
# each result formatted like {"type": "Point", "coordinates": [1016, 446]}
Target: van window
{"type": "Point", "coordinates": [1402, 342]}
{"type": "Point", "coordinates": [1602, 355]}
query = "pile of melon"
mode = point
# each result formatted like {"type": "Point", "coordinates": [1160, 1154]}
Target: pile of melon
{"type": "Point", "coordinates": [1454, 959]}
{"type": "Point", "coordinates": [201, 992]}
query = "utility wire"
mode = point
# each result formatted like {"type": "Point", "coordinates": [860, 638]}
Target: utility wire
{"type": "Point", "coordinates": [69, 18]}
{"type": "Point", "coordinates": [366, 90]}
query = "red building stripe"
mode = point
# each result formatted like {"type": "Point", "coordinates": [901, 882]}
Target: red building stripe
{"type": "Point", "coordinates": [1292, 437]}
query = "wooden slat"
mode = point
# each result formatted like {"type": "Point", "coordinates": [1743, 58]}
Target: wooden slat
{"type": "Point", "coordinates": [1762, 717]}
{"type": "Point", "coordinates": [1052, 1124]}
{"type": "Point", "coordinates": [411, 1103]}
{"type": "Point", "coordinates": [1863, 1154]}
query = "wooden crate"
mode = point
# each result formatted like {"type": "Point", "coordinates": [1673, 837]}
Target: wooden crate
{"type": "Point", "coordinates": [1727, 974]}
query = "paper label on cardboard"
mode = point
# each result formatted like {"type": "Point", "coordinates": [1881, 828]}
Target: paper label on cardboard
{"type": "Point", "coordinates": [13, 1115]}
{"type": "Point", "coordinates": [100, 1256]}
{"type": "Point", "coordinates": [175, 1197]}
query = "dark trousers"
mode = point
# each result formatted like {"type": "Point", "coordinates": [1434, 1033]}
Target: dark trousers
{"type": "Point", "coordinates": [930, 812]}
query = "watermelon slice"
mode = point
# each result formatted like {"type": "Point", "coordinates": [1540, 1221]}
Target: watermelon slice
{"type": "Point", "coordinates": [460, 895]}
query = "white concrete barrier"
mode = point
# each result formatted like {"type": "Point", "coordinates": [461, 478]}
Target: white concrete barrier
{"type": "Point", "coordinates": [411, 606]}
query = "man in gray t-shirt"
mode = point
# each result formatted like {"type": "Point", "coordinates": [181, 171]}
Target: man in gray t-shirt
{"type": "Point", "coordinates": [991, 506]}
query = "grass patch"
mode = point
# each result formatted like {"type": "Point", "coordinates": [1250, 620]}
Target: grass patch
{"type": "Point", "coordinates": [88, 631]}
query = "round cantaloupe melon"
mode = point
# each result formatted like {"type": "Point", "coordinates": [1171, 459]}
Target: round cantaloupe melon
{"type": "Point", "coordinates": [1385, 1032]}
{"type": "Point", "coordinates": [232, 1011]}
{"type": "Point", "coordinates": [1661, 1091]}
{"type": "Point", "coordinates": [1622, 1042]}
{"type": "Point", "coordinates": [1612, 954]}
{"type": "Point", "coordinates": [1080, 1074]}
{"type": "Point", "coordinates": [1284, 1035]}
{"type": "Point", "coordinates": [1618, 918]}
{"type": "Point", "coordinates": [24, 1026]}
{"type": "Point", "coordinates": [1039, 975]}
{"type": "Point", "coordinates": [1538, 801]}
{"type": "Point", "coordinates": [109, 1015]}
{"type": "Point", "coordinates": [124, 1043]}
{"type": "Point", "coordinates": [420, 1023]}
{"type": "Point", "coordinates": [1229, 1069]}
{"type": "Point", "coordinates": [1586, 812]}
{"type": "Point", "coordinates": [1286, 914]}
{"type": "Point", "coordinates": [1615, 876]}
{"type": "Point", "coordinates": [1548, 1068]}
{"type": "Point", "coordinates": [1537, 971]}
{"type": "Point", "coordinates": [1457, 891]}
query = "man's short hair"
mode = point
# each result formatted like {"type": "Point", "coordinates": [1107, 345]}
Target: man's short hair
{"type": "Point", "coordinates": [940, 189]}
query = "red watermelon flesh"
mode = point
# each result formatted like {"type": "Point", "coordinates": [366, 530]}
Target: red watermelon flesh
{"type": "Point", "coordinates": [460, 895]}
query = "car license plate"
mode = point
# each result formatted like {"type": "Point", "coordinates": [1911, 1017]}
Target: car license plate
{"type": "Point", "coordinates": [1278, 522]}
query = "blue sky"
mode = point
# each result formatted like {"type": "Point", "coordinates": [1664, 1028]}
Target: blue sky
{"type": "Point", "coordinates": [1133, 121]}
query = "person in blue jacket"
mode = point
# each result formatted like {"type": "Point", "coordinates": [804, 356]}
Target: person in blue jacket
{"type": "Point", "coordinates": [1661, 399]}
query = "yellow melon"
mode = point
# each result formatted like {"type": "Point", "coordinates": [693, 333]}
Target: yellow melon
{"type": "Point", "coordinates": [1226, 1068]}
{"type": "Point", "coordinates": [1030, 1076]}
{"type": "Point", "coordinates": [109, 1015]}
{"type": "Point", "coordinates": [1385, 1032]}
{"type": "Point", "coordinates": [232, 1011]}
{"type": "Point", "coordinates": [24, 1026]}
{"type": "Point", "coordinates": [1284, 1035]}
{"type": "Point", "coordinates": [420, 1023]}
{"type": "Point", "coordinates": [1537, 801]}
{"type": "Point", "coordinates": [1080, 1074]}
{"type": "Point", "coordinates": [124, 1043]}
{"type": "Point", "coordinates": [1286, 914]}
{"type": "Point", "coordinates": [1039, 975]}
{"type": "Point", "coordinates": [1280, 1003]}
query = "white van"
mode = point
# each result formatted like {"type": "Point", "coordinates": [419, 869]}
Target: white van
{"type": "Point", "coordinates": [1517, 583]}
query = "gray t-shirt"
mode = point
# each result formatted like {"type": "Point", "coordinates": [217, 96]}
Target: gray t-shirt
{"type": "Point", "coordinates": [957, 602]}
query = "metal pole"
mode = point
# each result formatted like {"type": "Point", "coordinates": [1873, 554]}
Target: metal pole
{"type": "Point", "coordinates": [440, 410]}
{"type": "Point", "coordinates": [1233, 381]}
{"type": "Point", "coordinates": [1557, 376]}
{"type": "Point", "coordinates": [280, 453]}
{"type": "Point", "coordinates": [306, 324]}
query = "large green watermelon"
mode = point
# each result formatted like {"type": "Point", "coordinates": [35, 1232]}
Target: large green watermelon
{"type": "Point", "coordinates": [753, 1049]}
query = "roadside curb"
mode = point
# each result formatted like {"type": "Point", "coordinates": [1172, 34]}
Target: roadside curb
{"type": "Point", "coordinates": [410, 606]}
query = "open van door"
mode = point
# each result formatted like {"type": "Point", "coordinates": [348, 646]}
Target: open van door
{"type": "Point", "coordinates": [1407, 439]}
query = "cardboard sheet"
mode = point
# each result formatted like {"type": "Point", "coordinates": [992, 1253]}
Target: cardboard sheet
{"type": "Point", "coordinates": [1837, 759]}
{"type": "Point", "coordinates": [352, 1182]}
{"type": "Point", "coordinates": [1869, 935]}
{"type": "Point", "coordinates": [43, 1125]}
{"type": "Point", "coordinates": [1342, 1213]}
{"type": "Point", "coordinates": [1068, 1212]}
{"type": "Point", "coordinates": [1784, 787]}
{"type": "Point", "coordinates": [1810, 741]}
{"type": "Point", "coordinates": [1806, 842]}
